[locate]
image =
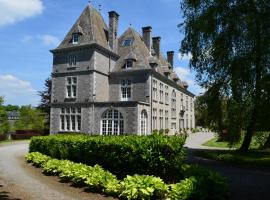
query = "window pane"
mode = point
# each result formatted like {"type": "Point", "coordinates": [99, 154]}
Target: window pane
{"type": "Point", "coordinates": [78, 122]}
{"type": "Point", "coordinates": [74, 90]}
{"type": "Point", "coordinates": [68, 122]}
{"type": "Point", "coordinates": [73, 122]}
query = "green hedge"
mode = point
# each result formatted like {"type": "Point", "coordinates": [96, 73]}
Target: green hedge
{"type": "Point", "coordinates": [198, 184]}
{"type": "Point", "coordinates": [160, 156]}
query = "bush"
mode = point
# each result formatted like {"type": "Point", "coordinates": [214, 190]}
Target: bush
{"type": "Point", "coordinates": [206, 184]}
{"type": "Point", "coordinates": [153, 155]}
{"type": "Point", "coordinates": [260, 138]}
{"type": "Point", "coordinates": [143, 187]}
{"type": "Point", "coordinates": [198, 184]}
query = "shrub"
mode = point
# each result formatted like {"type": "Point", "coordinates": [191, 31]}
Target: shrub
{"type": "Point", "coordinates": [155, 132]}
{"type": "Point", "coordinates": [198, 184]}
{"type": "Point", "coordinates": [260, 138]}
{"type": "Point", "coordinates": [154, 155]}
{"type": "Point", "coordinates": [207, 184]}
{"type": "Point", "coordinates": [183, 190]}
{"type": "Point", "coordinates": [167, 131]}
{"type": "Point", "coordinates": [143, 187]}
{"type": "Point", "coordinates": [161, 132]}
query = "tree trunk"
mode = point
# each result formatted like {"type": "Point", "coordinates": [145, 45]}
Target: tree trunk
{"type": "Point", "coordinates": [257, 93]}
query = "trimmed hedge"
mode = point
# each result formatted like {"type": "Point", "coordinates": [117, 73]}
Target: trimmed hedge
{"type": "Point", "coordinates": [157, 155]}
{"type": "Point", "coordinates": [198, 184]}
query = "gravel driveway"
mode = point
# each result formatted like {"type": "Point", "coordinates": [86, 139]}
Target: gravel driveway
{"type": "Point", "coordinates": [21, 181]}
{"type": "Point", "coordinates": [245, 182]}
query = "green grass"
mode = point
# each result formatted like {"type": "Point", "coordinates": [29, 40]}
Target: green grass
{"type": "Point", "coordinates": [214, 143]}
{"type": "Point", "coordinates": [12, 141]}
{"type": "Point", "coordinates": [259, 158]}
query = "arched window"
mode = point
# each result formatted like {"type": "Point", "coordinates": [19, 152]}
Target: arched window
{"type": "Point", "coordinates": [112, 123]}
{"type": "Point", "coordinates": [144, 124]}
{"type": "Point", "coordinates": [173, 104]}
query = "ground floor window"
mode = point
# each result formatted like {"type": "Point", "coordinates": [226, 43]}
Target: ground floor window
{"type": "Point", "coordinates": [112, 123]}
{"type": "Point", "coordinates": [144, 119]}
{"type": "Point", "coordinates": [70, 119]}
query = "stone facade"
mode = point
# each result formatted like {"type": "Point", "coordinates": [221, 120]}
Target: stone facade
{"type": "Point", "coordinates": [107, 85]}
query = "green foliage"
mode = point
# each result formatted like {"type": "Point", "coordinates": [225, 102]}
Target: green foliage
{"type": "Point", "coordinates": [260, 138]}
{"type": "Point", "coordinates": [30, 119]}
{"type": "Point", "coordinates": [183, 190]}
{"type": "Point", "coordinates": [4, 124]}
{"type": "Point", "coordinates": [206, 184]}
{"type": "Point", "coordinates": [167, 131]}
{"type": "Point", "coordinates": [154, 155]}
{"type": "Point", "coordinates": [155, 132]}
{"type": "Point", "coordinates": [143, 187]}
{"type": "Point", "coordinates": [196, 185]}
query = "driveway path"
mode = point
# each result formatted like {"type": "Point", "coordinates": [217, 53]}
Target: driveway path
{"type": "Point", "coordinates": [21, 181]}
{"type": "Point", "coordinates": [245, 182]}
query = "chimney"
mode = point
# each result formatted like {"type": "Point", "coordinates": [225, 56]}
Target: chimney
{"type": "Point", "coordinates": [156, 45]}
{"type": "Point", "coordinates": [147, 36]}
{"type": "Point", "coordinates": [113, 29]}
{"type": "Point", "coordinates": [170, 55]}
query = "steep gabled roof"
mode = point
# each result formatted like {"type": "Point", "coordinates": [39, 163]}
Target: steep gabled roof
{"type": "Point", "coordinates": [92, 28]}
{"type": "Point", "coordinates": [137, 49]}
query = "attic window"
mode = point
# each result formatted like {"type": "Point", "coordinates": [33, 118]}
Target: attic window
{"type": "Point", "coordinates": [75, 38]}
{"type": "Point", "coordinates": [129, 63]}
{"type": "Point", "coordinates": [127, 42]}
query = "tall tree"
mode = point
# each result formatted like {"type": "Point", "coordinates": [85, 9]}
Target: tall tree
{"type": "Point", "coordinates": [230, 43]}
{"type": "Point", "coordinates": [4, 124]}
{"type": "Point", "coordinates": [45, 99]}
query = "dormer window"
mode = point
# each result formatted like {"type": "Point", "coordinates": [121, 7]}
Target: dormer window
{"type": "Point", "coordinates": [127, 42]}
{"type": "Point", "coordinates": [129, 64]}
{"type": "Point", "coordinates": [75, 38]}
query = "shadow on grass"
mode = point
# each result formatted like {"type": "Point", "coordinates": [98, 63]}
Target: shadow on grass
{"type": "Point", "coordinates": [6, 195]}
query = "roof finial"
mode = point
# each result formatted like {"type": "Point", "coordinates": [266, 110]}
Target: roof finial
{"type": "Point", "coordinates": [99, 7]}
{"type": "Point", "coordinates": [130, 24]}
{"type": "Point", "coordinates": [89, 3]}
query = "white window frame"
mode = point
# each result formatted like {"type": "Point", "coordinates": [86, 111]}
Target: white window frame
{"type": "Point", "coordinates": [72, 86]}
{"type": "Point", "coordinates": [66, 116]}
{"type": "Point", "coordinates": [161, 92]}
{"type": "Point", "coordinates": [129, 64]}
{"type": "Point", "coordinates": [143, 123]}
{"type": "Point", "coordinates": [72, 60]}
{"type": "Point", "coordinates": [112, 123]}
{"type": "Point", "coordinates": [155, 90]}
{"type": "Point", "coordinates": [166, 94]}
{"type": "Point", "coordinates": [161, 119]}
{"type": "Point", "coordinates": [154, 118]}
{"type": "Point", "coordinates": [166, 119]}
{"type": "Point", "coordinates": [126, 90]}
{"type": "Point", "coordinates": [75, 38]}
{"type": "Point", "coordinates": [173, 104]}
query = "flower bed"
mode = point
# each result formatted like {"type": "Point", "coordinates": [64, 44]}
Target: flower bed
{"type": "Point", "coordinates": [198, 183]}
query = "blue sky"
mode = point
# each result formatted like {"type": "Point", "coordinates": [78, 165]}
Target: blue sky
{"type": "Point", "coordinates": [30, 28]}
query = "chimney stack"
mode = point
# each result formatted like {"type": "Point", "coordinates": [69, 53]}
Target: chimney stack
{"type": "Point", "coordinates": [170, 56]}
{"type": "Point", "coordinates": [156, 45]}
{"type": "Point", "coordinates": [113, 29]}
{"type": "Point", "coordinates": [147, 36]}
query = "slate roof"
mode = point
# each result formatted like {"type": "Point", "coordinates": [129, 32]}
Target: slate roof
{"type": "Point", "coordinates": [92, 28]}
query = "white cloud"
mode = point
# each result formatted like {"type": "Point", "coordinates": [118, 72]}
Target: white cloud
{"type": "Point", "coordinates": [12, 11]}
{"type": "Point", "coordinates": [49, 40]}
{"type": "Point", "coordinates": [184, 57]}
{"type": "Point", "coordinates": [185, 74]}
{"type": "Point", "coordinates": [17, 91]}
{"type": "Point", "coordinates": [46, 39]}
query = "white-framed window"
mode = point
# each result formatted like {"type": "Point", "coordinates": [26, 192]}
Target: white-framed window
{"type": "Point", "coordinates": [72, 60]}
{"type": "Point", "coordinates": [161, 119]}
{"type": "Point", "coordinates": [166, 119]}
{"type": "Point", "coordinates": [112, 123]}
{"type": "Point", "coordinates": [70, 119]}
{"type": "Point", "coordinates": [127, 42]}
{"type": "Point", "coordinates": [186, 102]}
{"type": "Point", "coordinates": [129, 64]}
{"type": "Point", "coordinates": [191, 124]}
{"type": "Point", "coordinates": [161, 92]}
{"type": "Point", "coordinates": [144, 122]}
{"type": "Point", "coordinates": [173, 126]}
{"type": "Point", "coordinates": [71, 87]}
{"type": "Point", "coordinates": [154, 118]}
{"type": "Point", "coordinates": [75, 38]}
{"type": "Point", "coordinates": [155, 90]}
{"type": "Point", "coordinates": [173, 104]}
{"type": "Point", "coordinates": [166, 94]}
{"type": "Point", "coordinates": [125, 90]}
{"type": "Point", "coordinates": [187, 121]}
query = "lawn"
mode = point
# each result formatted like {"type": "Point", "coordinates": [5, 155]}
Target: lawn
{"type": "Point", "coordinates": [259, 158]}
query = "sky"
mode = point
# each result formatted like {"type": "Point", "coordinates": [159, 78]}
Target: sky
{"type": "Point", "coordinates": [30, 28]}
